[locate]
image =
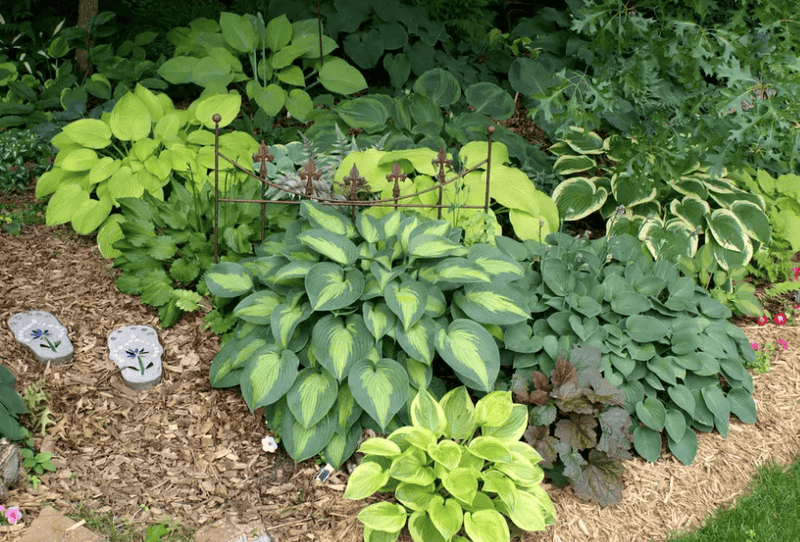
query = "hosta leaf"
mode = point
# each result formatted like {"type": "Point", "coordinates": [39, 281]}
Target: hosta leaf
{"type": "Point", "coordinates": [326, 218]}
{"type": "Point", "coordinates": [379, 319]}
{"type": "Point", "coordinates": [366, 479]}
{"type": "Point", "coordinates": [348, 411]}
{"type": "Point", "coordinates": [718, 404]}
{"type": "Point", "coordinates": [645, 329]}
{"type": "Point", "coordinates": [339, 343]}
{"type": "Point", "coordinates": [630, 189]}
{"type": "Point", "coordinates": [130, 119]}
{"type": "Point", "coordinates": [512, 428]}
{"type": "Point", "coordinates": [684, 449]}
{"type": "Point", "coordinates": [406, 300]}
{"type": "Point", "coordinates": [728, 231]}
{"type": "Point", "coordinates": [370, 228]}
{"type": "Point", "coordinates": [495, 262]}
{"type": "Point", "coordinates": [335, 246]}
{"type": "Point", "coordinates": [413, 496]}
{"type": "Point", "coordinates": [383, 516]}
{"type": "Point", "coordinates": [490, 448]}
{"type": "Point", "coordinates": [652, 413]}
{"type": "Point", "coordinates": [312, 395]}
{"type": "Point", "coordinates": [420, 527]}
{"type": "Point", "coordinates": [578, 198]}
{"type": "Point", "coordinates": [91, 133]}
{"type": "Point", "coordinates": [471, 351]}
{"type": "Point", "coordinates": [754, 220]}
{"type": "Point", "coordinates": [342, 446]}
{"type": "Point", "coordinates": [270, 373]}
{"type": "Point", "coordinates": [380, 446]}
{"type": "Point", "coordinates": [460, 414]}
{"type": "Point", "coordinates": [682, 396]}
{"type": "Point", "coordinates": [669, 241]}
{"type": "Point", "coordinates": [434, 246]}
{"type": "Point", "coordinates": [338, 76]}
{"type": "Point", "coordinates": [228, 279]}
{"type": "Point", "coordinates": [257, 307]}
{"type": "Point", "coordinates": [461, 483]}
{"type": "Point", "coordinates": [301, 442]}
{"type": "Point", "coordinates": [90, 215]}
{"type": "Point", "coordinates": [285, 318]}
{"type": "Point", "coordinates": [380, 388]}
{"type": "Point", "coordinates": [742, 405]}
{"type": "Point", "coordinates": [446, 515]}
{"type": "Point", "coordinates": [461, 271]}
{"type": "Point", "coordinates": [426, 412]}
{"type": "Point", "coordinates": [331, 288]}
{"type": "Point", "coordinates": [675, 424]}
{"type": "Point", "coordinates": [492, 304]}
{"type": "Point", "coordinates": [486, 526]}
{"type": "Point", "coordinates": [418, 340]}
{"type": "Point", "coordinates": [647, 443]}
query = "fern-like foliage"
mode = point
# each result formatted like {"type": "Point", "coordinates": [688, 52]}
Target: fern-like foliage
{"type": "Point", "coordinates": [781, 288]}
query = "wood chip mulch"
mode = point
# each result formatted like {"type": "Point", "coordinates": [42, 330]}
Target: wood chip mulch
{"type": "Point", "coordinates": [185, 450]}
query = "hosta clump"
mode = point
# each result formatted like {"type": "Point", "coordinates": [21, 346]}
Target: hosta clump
{"type": "Point", "coordinates": [167, 246]}
{"type": "Point", "coordinates": [338, 316]}
{"type": "Point", "coordinates": [578, 424]}
{"type": "Point", "coordinates": [665, 342]}
{"type": "Point", "coordinates": [458, 469]}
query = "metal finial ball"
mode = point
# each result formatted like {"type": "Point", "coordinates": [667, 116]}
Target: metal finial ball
{"type": "Point", "coordinates": [491, 129]}
{"type": "Point", "coordinates": [216, 118]}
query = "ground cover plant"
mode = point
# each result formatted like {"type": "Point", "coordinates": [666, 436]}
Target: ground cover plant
{"type": "Point", "coordinates": [25, 156]}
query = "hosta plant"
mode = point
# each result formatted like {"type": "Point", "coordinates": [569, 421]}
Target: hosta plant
{"type": "Point", "coordinates": [337, 316]}
{"type": "Point", "coordinates": [579, 425]}
{"type": "Point", "coordinates": [665, 341]}
{"type": "Point", "coordinates": [24, 156]}
{"type": "Point", "coordinates": [458, 469]}
{"type": "Point", "coordinates": [137, 147]}
{"type": "Point", "coordinates": [11, 406]}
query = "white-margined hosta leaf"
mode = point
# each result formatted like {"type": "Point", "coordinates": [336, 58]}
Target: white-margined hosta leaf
{"type": "Point", "coordinates": [690, 186]}
{"type": "Point", "coordinates": [331, 288]}
{"type": "Point", "coordinates": [347, 410]}
{"type": "Point", "coordinates": [691, 209]}
{"type": "Point", "coordinates": [631, 189]}
{"type": "Point", "coordinates": [578, 198]}
{"type": "Point", "coordinates": [493, 304]}
{"type": "Point", "coordinates": [332, 245]}
{"type": "Point", "coordinates": [669, 241]}
{"type": "Point", "coordinates": [370, 228]}
{"type": "Point", "coordinates": [727, 258]}
{"type": "Point", "coordinates": [257, 307]}
{"type": "Point", "coordinates": [434, 246]}
{"type": "Point", "coordinates": [728, 231]}
{"type": "Point", "coordinates": [495, 262]}
{"type": "Point", "coordinates": [569, 165]}
{"type": "Point", "coordinates": [378, 318]}
{"type": "Point", "coordinates": [285, 318]}
{"type": "Point", "coordinates": [407, 299]}
{"type": "Point", "coordinates": [381, 388]}
{"type": "Point", "coordinates": [754, 220]}
{"type": "Point", "coordinates": [228, 279]}
{"type": "Point", "coordinates": [301, 442]}
{"type": "Point", "coordinates": [471, 352]}
{"type": "Point", "coordinates": [270, 373]}
{"type": "Point", "coordinates": [312, 395]}
{"type": "Point", "coordinates": [327, 218]}
{"type": "Point", "coordinates": [460, 271]}
{"type": "Point", "coordinates": [341, 447]}
{"type": "Point", "coordinates": [418, 339]}
{"type": "Point", "coordinates": [338, 343]}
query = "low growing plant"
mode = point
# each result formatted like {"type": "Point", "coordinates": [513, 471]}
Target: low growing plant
{"type": "Point", "coordinates": [11, 406]}
{"type": "Point", "coordinates": [24, 156]}
{"type": "Point", "coordinates": [578, 424]}
{"type": "Point", "coordinates": [458, 469]}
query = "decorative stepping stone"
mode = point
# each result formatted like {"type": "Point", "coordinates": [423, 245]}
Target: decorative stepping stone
{"type": "Point", "coordinates": [137, 353]}
{"type": "Point", "coordinates": [42, 334]}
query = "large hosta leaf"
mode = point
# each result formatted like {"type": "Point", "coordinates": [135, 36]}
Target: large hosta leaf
{"type": "Point", "coordinates": [578, 198]}
{"type": "Point", "coordinates": [228, 279]}
{"type": "Point", "coordinates": [339, 343]}
{"type": "Point", "coordinates": [257, 307]}
{"type": "Point", "coordinates": [270, 373]}
{"type": "Point", "coordinates": [407, 300]}
{"type": "Point", "coordinates": [495, 262]}
{"type": "Point", "coordinates": [418, 339]}
{"type": "Point", "coordinates": [301, 442]}
{"type": "Point", "coordinates": [632, 189]}
{"type": "Point", "coordinates": [312, 395]}
{"type": "Point", "coordinates": [471, 351]}
{"type": "Point", "coordinates": [327, 218]}
{"type": "Point", "coordinates": [728, 231]}
{"type": "Point", "coordinates": [493, 304]}
{"type": "Point", "coordinates": [331, 288]}
{"type": "Point", "coordinates": [130, 119]}
{"type": "Point", "coordinates": [645, 329]}
{"type": "Point", "coordinates": [285, 318]}
{"type": "Point", "coordinates": [669, 241]}
{"type": "Point", "coordinates": [380, 388]}
{"type": "Point", "coordinates": [335, 246]}
{"type": "Point", "coordinates": [379, 319]}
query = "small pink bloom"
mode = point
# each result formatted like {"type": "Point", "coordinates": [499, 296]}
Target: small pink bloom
{"type": "Point", "coordinates": [13, 515]}
{"type": "Point", "coordinates": [754, 345]}
{"type": "Point", "coordinates": [797, 307]}
{"type": "Point", "coordinates": [780, 318]}
{"type": "Point", "coordinates": [762, 320]}
{"type": "Point", "coordinates": [2, 508]}
{"type": "Point", "coordinates": [796, 272]}
{"type": "Point", "coordinates": [783, 344]}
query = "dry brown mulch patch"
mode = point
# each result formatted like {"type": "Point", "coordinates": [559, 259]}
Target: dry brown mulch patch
{"type": "Point", "coordinates": [194, 453]}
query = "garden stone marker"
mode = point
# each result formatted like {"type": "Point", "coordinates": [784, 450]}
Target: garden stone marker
{"type": "Point", "coordinates": [137, 353]}
{"type": "Point", "coordinates": [42, 334]}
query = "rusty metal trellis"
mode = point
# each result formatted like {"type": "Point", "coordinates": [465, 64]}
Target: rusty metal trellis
{"type": "Point", "coordinates": [354, 183]}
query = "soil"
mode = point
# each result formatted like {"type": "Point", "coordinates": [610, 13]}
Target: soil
{"type": "Point", "coordinates": [185, 450]}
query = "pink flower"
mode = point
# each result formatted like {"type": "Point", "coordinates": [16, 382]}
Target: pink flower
{"type": "Point", "coordinates": [780, 318]}
{"type": "Point", "coordinates": [796, 272]}
{"type": "Point", "coordinates": [13, 515]}
{"type": "Point", "coordinates": [797, 307]}
{"type": "Point", "coordinates": [762, 320]}
{"type": "Point", "coordinates": [268, 444]}
{"type": "Point", "coordinates": [754, 345]}
{"type": "Point", "coordinates": [2, 508]}
{"type": "Point", "coordinates": [783, 344]}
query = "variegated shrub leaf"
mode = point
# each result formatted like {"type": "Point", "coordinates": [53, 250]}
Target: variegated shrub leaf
{"type": "Point", "coordinates": [285, 318]}
{"type": "Point", "coordinates": [301, 442]}
{"type": "Point", "coordinates": [231, 359]}
{"type": "Point", "coordinates": [347, 410]}
{"type": "Point", "coordinates": [728, 231]}
{"type": "Point", "coordinates": [327, 218]}
{"type": "Point", "coordinates": [435, 304]}
{"type": "Point", "coordinates": [341, 447]}
{"type": "Point", "coordinates": [434, 246]}
{"type": "Point", "coordinates": [228, 279]}
{"type": "Point", "coordinates": [460, 271]}
{"type": "Point", "coordinates": [669, 241]}
{"type": "Point", "coordinates": [471, 352]}
{"type": "Point", "coordinates": [291, 275]}
{"type": "Point", "coordinates": [270, 373]}
{"type": "Point", "coordinates": [379, 319]}
{"type": "Point", "coordinates": [257, 307]}
{"type": "Point", "coordinates": [338, 343]}
{"type": "Point", "coordinates": [331, 288]}
{"type": "Point", "coordinates": [407, 300]}
{"type": "Point", "coordinates": [493, 304]}
{"type": "Point", "coordinates": [418, 340]}
{"type": "Point", "coordinates": [419, 374]}
{"type": "Point", "coordinates": [380, 388]}
{"type": "Point", "coordinates": [312, 395]}
{"type": "Point", "coordinates": [370, 228]}
{"type": "Point", "coordinates": [495, 262]}
{"type": "Point", "coordinates": [337, 247]}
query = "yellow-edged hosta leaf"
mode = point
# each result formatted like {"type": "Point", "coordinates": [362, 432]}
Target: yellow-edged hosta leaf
{"type": "Point", "coordinates": [268, 376]}
{"type": "Point", "coordinates": [471, 352]}
{"type": "Point", "coordinates": [380, 388]}
{"type": "Point", "coordinates": [338, 343]}
{"type": "Point", "coordinates": [312, 395]}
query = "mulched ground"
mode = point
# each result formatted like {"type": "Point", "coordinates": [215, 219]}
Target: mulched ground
{"type": "Point", "coordinates": [194, 453]}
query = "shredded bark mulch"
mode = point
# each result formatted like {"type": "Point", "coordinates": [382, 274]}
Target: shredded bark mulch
{"type": "Point", "coordinates": [185, 450]}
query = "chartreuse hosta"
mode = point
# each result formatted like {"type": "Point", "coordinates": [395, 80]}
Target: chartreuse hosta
{"type": "Point", "coordinates": [339, 322]}
{"type": "Point", "coordinates": [458, 468]}
{"type": "Point", "coordinates": [532, 213]}
{"type": "Point", "coordinates": [137, 147]}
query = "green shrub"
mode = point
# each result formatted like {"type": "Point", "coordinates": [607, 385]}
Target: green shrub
{"type": "Point", "coordinates": [24, 156]}
{"type": "Point", "coordinates": [11, 406]}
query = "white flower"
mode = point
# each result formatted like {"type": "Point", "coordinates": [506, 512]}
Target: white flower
{"type": "Point", "coordinates": [269, 444]}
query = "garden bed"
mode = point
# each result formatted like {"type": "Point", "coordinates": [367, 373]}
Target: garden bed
{"type": "Point", "coordinates": [194, 453]}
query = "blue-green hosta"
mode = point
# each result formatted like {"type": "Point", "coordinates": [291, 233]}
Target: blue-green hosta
{"type": "Point", "coordinates": [532, 213]}
{"type": "Point", "coordinates": [668, 214]}
{"type": "Point", "coordinates": [338, 316]}
{"type": "Point", "coordinates": [459, 469]}
{"type": "Point", "coordinates": [137, 147]}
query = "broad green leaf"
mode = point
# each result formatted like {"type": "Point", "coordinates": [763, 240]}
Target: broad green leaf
{"type": "Point", "coordinates": [269, 375]}
{"type": "Point", "coordinates": [495, 262]}
{"type": "Point", "coordinates": [332, 245]}
{"type": "Point", "coordinates": [342, 445]}
{"type": "Point", "coordinates": [257, 307]}
{"type": "Point", "coordinates": [440, 86]}
{"type": "Point", "coordinates": [339, 343]}
{"type": "Point", "coordinates": [299, 104]}
{"type": "Point", "coordinates": [278, 33]}
{"type": "Point", "coordinates": [229, 279]}
{"type": "Point", "coordinates": [461, 483]}
{"type": "Point", "coordinates": [471, 351]}
{"type": "Point", "coordinates": [285, 319]}
{"type": "Point", "coordinates": [77, 160]}
{"type": "Point", "coordinates": [490, 448]}
{"type": "Point", "coordinates": [682, 396]}
{"type": "Point", "coordinates": [461, 271]}
{"type": "Point", "coordinates": [301, 442]}
{"type": "Point", "coordinates": [645, 329]}
{"type": "Point", "coordinates": [494, 408]}
{"type": "Point", "coordinates": [512, 428]}
{"type": "Point", "coordinates": [326, 218]}
{"type": "Point", "coordinates": [652, 413]}
{"type": "Point", "coordinates": [578, 198]}
{"type": "Point", "coordinates": [684, 449]}
{"type": "Point", "coordinates": [312, 395]}
{"type": "Point", "coordinates": [130, 119]}
{"type": "Point", "coordinates": [491, 100]}
{"type": "Point", "coordinates": [426, 412]}
{"type": "Point", "coordinates": [446, 515]}
{"type": "Point", "coordinates": [492, 304]}
{"type": "Point", "coordinates": [675, 424]}
{"type": "Point", "coordinates": [178, 70]}
{"type": "Point", "coordinates": [647, 443]}
{"type": "Point", "coordinates": [406, 300]}
{"type": "Point", "coordinates": [717, 403]}
{"type": "Point", "coordinates": [728, 231]}
{"type": "Point", "coordinates": [363, 113]}
{"type": "Point", "coordinates": [381, 388]}
{"type": "Point", "coordinates": [91, 133]}
{"type": "Point", "coordinates": [238, 31]}
{"type": "Point", "coordinates": [446, 452]}
{"type": "Point", "coordinates": [530, 513]}
{"type": "Point", "coordinates": [366, 479]}
{"type": "Point", "coordinates": [383, 516]}
{"type": "Point", "coordinates": [460, 413]}
{"type": "Point", "coordinates": [486, 526]}
{"type": "Point", "coordinates": [338, 76]}
{"type": "Point", "coordinates": [742, 405]}
{"type": "Point", "coordinates": [331, 288]}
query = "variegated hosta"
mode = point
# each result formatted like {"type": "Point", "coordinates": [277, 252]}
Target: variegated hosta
{"type": "Point", "coordinates": [340, 322]}
{"type": "Point", "coordinates": [670, 216]}
{"type": "Point", "coordinates": [458, 469]}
